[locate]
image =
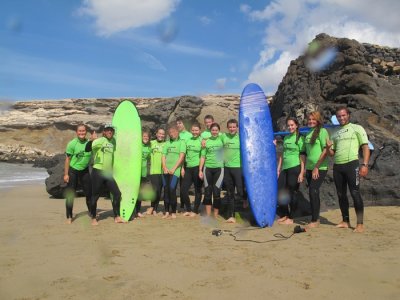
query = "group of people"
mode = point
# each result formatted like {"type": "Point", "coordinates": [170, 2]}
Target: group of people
{"type": "Point", "coordinates": [211, 159]}
{"type": "Point", "coordinates": [206, 158]}
{"type": "Point", "coordinates": [307, 156]}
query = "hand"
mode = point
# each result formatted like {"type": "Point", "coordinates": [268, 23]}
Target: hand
{"type": "Point", "coordinates": [165, 170]}
{"type": "Point", "coordinates": [183, 172]}
{"type": "Point", "coordinates": [66, 178]}
{"type": "Point", "coordinates": [203, 143]}
{"type": "Point", "coordinates": [329, 144]}
{"type": "Point", "coordinates": [201, 175]}
{"type": "Point", "coordinates": [274, 141]}
{"type": "Point", "coordinates": [315, 173]}
{"type": "Point", "coordinates": [172, 171]}
{"type": "Point", "coordinates": [300, 178]}
{"type": "Point", "coordinates": [363, 171]}
{"type": "Point", "coordinates": [278, 172]}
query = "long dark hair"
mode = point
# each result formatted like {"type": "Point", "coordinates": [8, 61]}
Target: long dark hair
{"type": "Point", "coordinates": [297, 129]}
{"type": "Point", "coordinates": [317, 116]}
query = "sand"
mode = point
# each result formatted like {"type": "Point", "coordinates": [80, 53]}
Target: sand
{"type": "Point", "coordinates": [151, 258]}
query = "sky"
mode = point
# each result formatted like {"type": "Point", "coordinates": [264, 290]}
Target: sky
{"type": "Point", "coordinates": [164, 48]}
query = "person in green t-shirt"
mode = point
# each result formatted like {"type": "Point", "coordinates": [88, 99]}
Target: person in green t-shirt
{"type": "Point", "coordinates": [190, 172]}
{"type": "Point", "coordinates": [211, 170]}
{"type": "Point", "coordinates": [183, 133]}
{"type": "Point", "coordinates": [146, 150]}
{"type": "Point", "coordinates": [345, 145]}
{"type": "Point", "coordinates": [316, 162]}
{"type": "Point", "coordinates": [103, 160]}
{"type": "Point", "coordinates": [155, 175]}
{"type": "Point", "coordinates": [76, 169]}
{"type": "Point", "coordinates": [233, 178]}
{"type": "Point", "coordinates": [208, 121]}
{"type": "Point", "coordinates": [172, 159]}
{"type": "Point", "coordinates": [290, 171]}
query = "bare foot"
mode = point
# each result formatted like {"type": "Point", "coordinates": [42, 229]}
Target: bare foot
{"type": "Point", "coordinates": [192, 214]}
{"type": "Point", "coordinates": [282, 219]}
{"type": "Point", "coordinates": [231, 220]}
{"type": "Point", "coordinates": [149, 211]}
{"type": "Point", "coordinates": [286, 222]}
{"type": "Point", "coordinates": [313, 225]}
{"type": "Point", "coordinates": [343, 225]}
{"type": "Point", "coordinates": [140, 215]}
{"type": "Point", "coordinates": [94, 222]}
{"type": "Point", "coordinates": [119, 220]}
{"type": "Point", "coordinates": [173, 216]}
{"type": "Point", "coordinates": [69, 221]}
{"type": "Point", "coordinates": [186, 214]}
{"type": "Point", "coordinates": [359, 228]}
{"type": "Point", "coordinates": [166, 216]}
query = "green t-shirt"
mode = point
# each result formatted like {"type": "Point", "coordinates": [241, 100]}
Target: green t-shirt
{"type": "Point", "coordinates": [172, 150]}
{"type": "Point", "coordinates": [231, 150]}
{"type": "Point", "coordinates": [213, 152]}
{"type": "Point", "coordinates": [76, 151]}
{"type": "Point", "coordinates": [185, 135]}
{"type": "Point", "coordinates": [314, 151]}
{"type": "Point", "coordinates": [103, 154]}
{"type": "Point", "coordinates": [193, 152]}
{"type": "Point", "coordinates": [156, 149]}
{"type": "Point", "coordinates": [347, 142]}
{"type": "Point", "coordinates": [206, 134]}
{"type": "Point", "coordinates": [145, 158]}
{"type": "Point", "coordinates": [291, 151]}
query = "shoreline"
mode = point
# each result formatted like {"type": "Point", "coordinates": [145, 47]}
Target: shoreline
{"type": "Point", "coordinates": [43, 258]}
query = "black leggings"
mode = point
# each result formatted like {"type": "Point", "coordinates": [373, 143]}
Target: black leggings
{"type": "Point", "coordinates": [288, 180]}
{"type": "Point", "coordinates": [233, 179]}
{"type": "Point", "coordinates": [191, 177]}
{"type": "Point", "coordinates": [171, 182]}
{"type": "Point", "coordinates": [347, 175]}
{"type": "Point", "coordinates": [97, 182]}
{"type": "Point", "coordinates": [76, 176]}
{"type": "Point", "coordinates": [157, 183]}
{"type": "Point", "coordinates": [212, 183]}
{"type": "Point", "coordinates": [313, 192]}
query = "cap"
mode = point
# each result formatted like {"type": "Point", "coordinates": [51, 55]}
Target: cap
{"type": "Point", "coordinates": [108, 125]}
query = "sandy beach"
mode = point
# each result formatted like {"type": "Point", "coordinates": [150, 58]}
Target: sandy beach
{"type": "Point", "coordinates": [43, 258]}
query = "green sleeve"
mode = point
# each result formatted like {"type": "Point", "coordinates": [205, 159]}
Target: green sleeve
{"type": "Point", "coordinates": [96, 144]}
{"type": "Point", "coordinates": [301, 144]}
{"type": "Point", "coordinates": [203, 152]}
{"type": "Point", "coordinates": [361, 135]}
{"type": "Point", "coordinates": [323, 136]}
{"type": "Point", "coordinates": [70, 148]}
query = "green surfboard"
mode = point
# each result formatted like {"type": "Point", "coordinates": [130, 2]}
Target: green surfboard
{"type": "Point", "coordinates": [128, 155]}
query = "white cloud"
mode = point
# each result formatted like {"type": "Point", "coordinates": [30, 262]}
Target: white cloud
{"type": "Point", "coordinates": [151, 61]}
{"type": "Point", "coordinates": [119, 15]}
{"type": "Point", "coordinates": [205, 20]}
{"type": "Point", "coordinates": [291, 25]}
{"type": "Point", "coordinates": [221, 82]}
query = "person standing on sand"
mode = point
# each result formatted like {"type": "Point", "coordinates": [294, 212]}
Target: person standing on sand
{"type": "Point", "coordinates": [190, 172]}
{"type": "Point", "coordinates": [344, 147]}
{"type": "Point", "coordinates": [103, 159]}
{"type": "Point", "coordinates": [233, 178]}
{"type": "Point", "coordinates": [146, 150]}
{"type": "Point", "coordinates": [290, 170]}
{"type": "Point", "coordinates": [211, 170]}
{"type": "Point", "coordinates": [316, 162]}
{"type": "Point", "coordinates": [172, 160]}
{"type": "Point", "coordinates": [76, 169]}
{"type": "Point", "coordinates": [156, 177]}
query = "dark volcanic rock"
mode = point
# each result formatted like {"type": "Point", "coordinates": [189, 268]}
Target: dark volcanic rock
{"type": "Point", "coordinates": [362, 78]}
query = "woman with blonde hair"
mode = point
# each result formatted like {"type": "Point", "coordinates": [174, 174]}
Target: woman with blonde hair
{"type": "Point", "coordinates": [316, 162]}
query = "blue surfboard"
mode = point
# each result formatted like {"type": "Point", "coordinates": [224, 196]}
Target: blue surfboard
{"type": "Point", "coordinates": [258, 154]}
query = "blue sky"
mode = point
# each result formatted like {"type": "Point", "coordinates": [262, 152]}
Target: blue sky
{"type": "Point", "coordinates": [159, 48]}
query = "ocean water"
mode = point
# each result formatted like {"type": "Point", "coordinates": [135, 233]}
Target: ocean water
{"type": "Point", "coordinates": [12, 175]}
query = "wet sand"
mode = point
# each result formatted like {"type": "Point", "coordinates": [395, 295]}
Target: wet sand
{"type": "Point", "coordinates": [43, 258]}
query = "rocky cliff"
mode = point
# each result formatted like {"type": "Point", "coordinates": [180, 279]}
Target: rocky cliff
{"type": "Point", "coordinates": [364, 77]}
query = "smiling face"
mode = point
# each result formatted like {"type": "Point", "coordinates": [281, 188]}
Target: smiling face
{"type": "Point", "coordinates": [343, 116]}
{"type": "Point", "coordinates": [292, 126]}
{"type": "Point", "coordinates": [208, 122]}
{"type": "Point", "coordinates": [180, 125]}
{"type": "Point", "coordinates": [81, 132]}
{"type": "Point", "coordinates": [145, 137]}
{"type": "Point", "coordinates": [232, 128]}
{"type": "Point", "coordinates": [173, 133]}
{"type": "Point", "coordinates": [160, 135]}
{"type": "Point", "coordinates": [108, 133]}
{"type": "Point", "coordinates": [312, 121]}
{"type": "Point", "coordinates": [214, 131]}
{"type": "Point", "coordinates": [195, 131]}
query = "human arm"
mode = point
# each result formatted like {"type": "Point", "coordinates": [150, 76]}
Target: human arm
{"type": "Point", "coordinates": [300, 178]}
{"type": "Point", "coordinates": [278, 170]}
{"type": "Point", "coordinates": [201, 165]}
{"type": "Point", "coordinates": [164, 164]}
{"type": "Point", "coordinates": [66, 168]}
{"type": "Point", "coordinates": [178, 163]}
{"type": "Point", "coordinates": [364, 166]}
